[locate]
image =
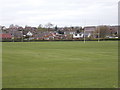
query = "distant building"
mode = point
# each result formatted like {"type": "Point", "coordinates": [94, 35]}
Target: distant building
{"type": "Point", "coordinates": [5, 36]}
{"type": "Point", "coordinates": [89, 29]}
{"type": "Point", "coordinates": [29, 34]}
{"type": "Point", "coordinates": [114, 29]}
{"type": "Point", "coordinates": [81, 35]}
{"type": "Point", "coordinates": [78, 35]}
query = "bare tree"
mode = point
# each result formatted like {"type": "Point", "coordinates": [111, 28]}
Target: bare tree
{"type": "Point", "coordinates": [40, 26]}
{"type": "Point", "coordinates": [48, 25]}
{"type": "Point", "coordinates": [11, 26]}
{"type": "Point", "coordinates": [103, 31]}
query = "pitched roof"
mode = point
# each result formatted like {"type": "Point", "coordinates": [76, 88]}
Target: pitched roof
{"type": "Point", "coordinates": [5, 35]}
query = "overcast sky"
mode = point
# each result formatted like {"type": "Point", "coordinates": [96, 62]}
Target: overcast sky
{"type": "Point", "coordinates": [59, 12]}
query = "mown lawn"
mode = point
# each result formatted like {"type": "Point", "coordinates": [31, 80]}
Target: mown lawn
{"type": "Point", "coordinates": [60, 64]}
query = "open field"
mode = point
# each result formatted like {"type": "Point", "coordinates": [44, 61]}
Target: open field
{"type": "Point", "coordinates": [60, 64]}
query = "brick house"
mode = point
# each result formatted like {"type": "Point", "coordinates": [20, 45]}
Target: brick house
{"type": "Point", "coordinates": [5, 36]}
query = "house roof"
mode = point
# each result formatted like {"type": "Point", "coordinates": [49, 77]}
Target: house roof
{"type": "Point", "coordinates": [5, 35]}
{"type": "Point", "coordinates": [90, 28]}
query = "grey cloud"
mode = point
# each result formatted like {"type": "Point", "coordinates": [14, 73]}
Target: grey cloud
{"type": "Point", "coordinates": [62, 12]}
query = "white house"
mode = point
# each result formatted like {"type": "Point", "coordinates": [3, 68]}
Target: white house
{"type": "Point", "coordinates": [29, 34]}
{"type": "Point", "coordinates": [78, 35]}
{"type": "Point", "coordinates": [81, 35]}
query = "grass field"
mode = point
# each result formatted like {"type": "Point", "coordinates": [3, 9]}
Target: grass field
{"type": "Point", "coordinates": [60, 64]}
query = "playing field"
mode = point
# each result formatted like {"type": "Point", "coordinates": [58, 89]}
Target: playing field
{"type": "Point", "coordinates": [60, 64]}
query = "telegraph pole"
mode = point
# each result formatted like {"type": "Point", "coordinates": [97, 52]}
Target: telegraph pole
{"type": "Point", "coordinates": [13, 37]}
{"type": "Point", "coordinates": [84, 35]}
{"type": "Point", "coordinates": [84, 31]}
{"type": "Point", "coordinates": [22, 35]}
{"type": "Point", "coordinates": [98, 33]}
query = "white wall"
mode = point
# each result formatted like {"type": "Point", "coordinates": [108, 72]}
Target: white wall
{"type": "Point", "coordinates": [77, 35]}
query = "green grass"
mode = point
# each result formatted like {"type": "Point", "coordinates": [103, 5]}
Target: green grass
{"type": "Point", "coordinates": [60, 64]}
